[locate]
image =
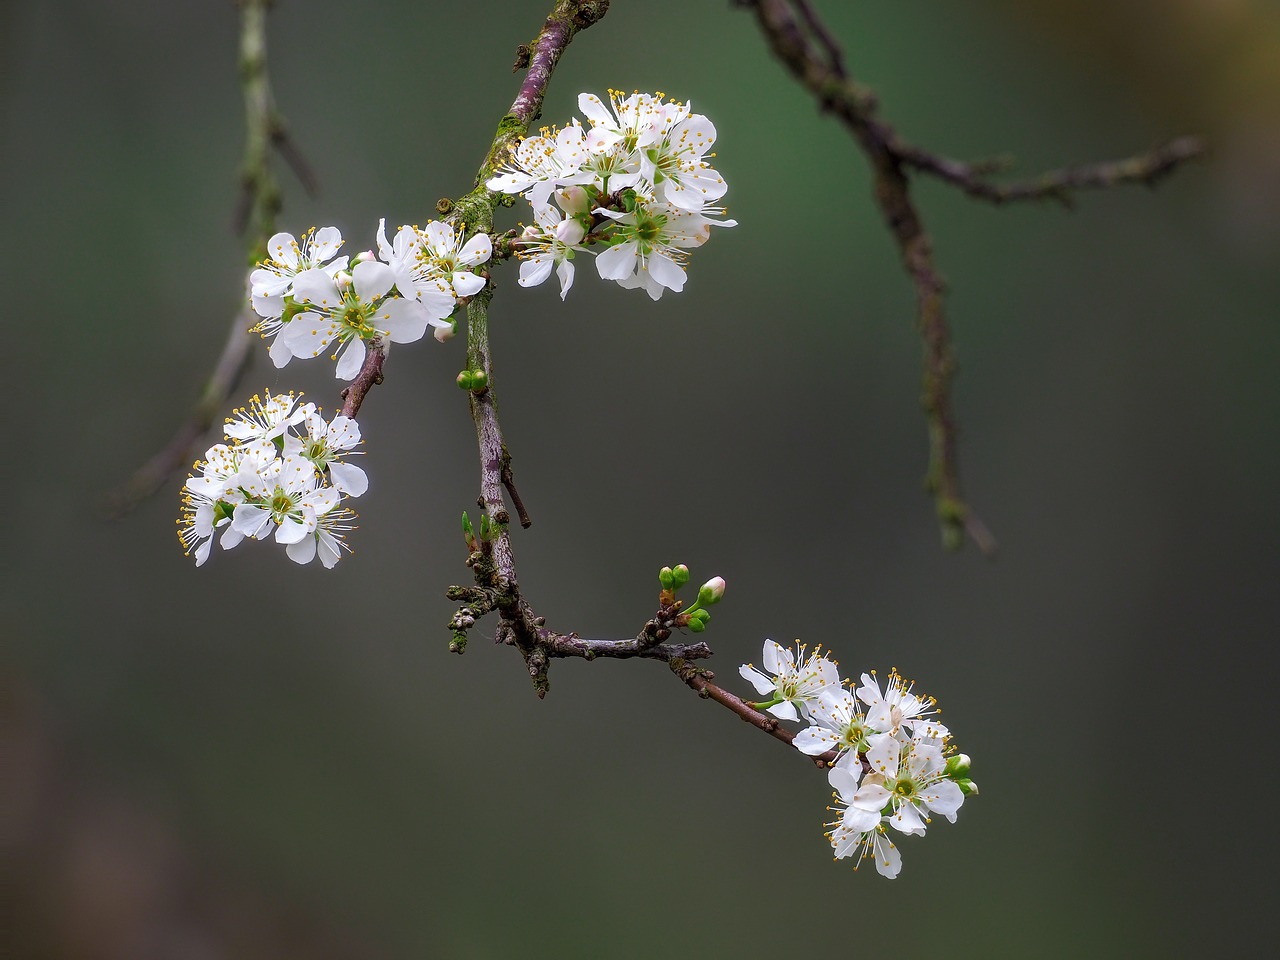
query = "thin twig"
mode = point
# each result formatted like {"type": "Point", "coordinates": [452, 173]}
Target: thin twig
{"type": "Point", "coordinates": [1059, 185]}
{"type": "Point", "coordinates": [509, 481]}
{"type": "Point", "coordinates": [700, 680]}
{"type": "Point", "coordinates": [891, 158]}
{"type": "Point", "coordinates": [254, 215]}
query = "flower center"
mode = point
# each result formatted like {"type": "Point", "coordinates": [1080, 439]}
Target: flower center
{"type": "Point", "coordinates": [905, 788]}
{"type": "Point", "coordinates": [281, 505]}
{"type": "Point", "coordinates": [315, 450]}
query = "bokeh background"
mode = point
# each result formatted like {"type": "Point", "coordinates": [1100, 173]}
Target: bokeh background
{"type": "Point", "coordinates": [255, 759]}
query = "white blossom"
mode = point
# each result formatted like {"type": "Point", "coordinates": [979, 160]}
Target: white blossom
{"type": "Point", "coordinates": [327, 444]}
{"type": "Point", "coordinates": [550, 243]}
{"type": "Point", "coordinates": [362, 312]}
{"type": "Point", "coordinates": [796, 686]}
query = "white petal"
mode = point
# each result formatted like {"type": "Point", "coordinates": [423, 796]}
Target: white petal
{"type": "Point", "coordinates": [372, 279]}
{"type": "Point", "coordinates": [351, 361]}
{"type": "Point", "coordinates": [535, 271]}
{"type": "Point", "coordinates": [667, 272]}
{"type": "Point", "coordinates": [307, 334]}
{"type": "Point", "coordinates": [279, 351]}
{"type": "Point", "coordinates": [477, 250]}
{"type": "Point", "coordinates": [268, 307]}
{"type": "Point", "coordinates": [907, 820]}
{"type": "Point", "coordinates": [814, 740]}
{"type": "Point", "coordinates": [404, 321]}
{"type": "Point", "coordinates": [565, 273]}
{"type": "Point", "coordinates": [348, 478]}
{"type": "Point", "coordinates": [618, 262]}
{"type": "Point", "coordinates": [283, 249]}
{"type": "Point", "coordinates": [763, 684]}
{"type": "Point", "coordinates": [303, 551]}
{"type": "Point", "coordinates": [325, 244]}
{"type": "Point", "coordinates": [888, 859]}
{"type": "Point", "coordinates": [316, 286]}
{"type": "Point", "coordinates": [466, 284]}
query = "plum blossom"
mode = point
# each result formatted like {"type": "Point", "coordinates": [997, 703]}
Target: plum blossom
{"type": "Point", "coordinates": [794, 687]}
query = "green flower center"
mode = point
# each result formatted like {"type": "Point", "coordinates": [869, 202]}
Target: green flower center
{"type": "Point", "coordinates": [281, 504]}
{"type": "Point", "coordinates": [905, 788]}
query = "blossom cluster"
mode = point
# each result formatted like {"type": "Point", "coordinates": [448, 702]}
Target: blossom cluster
{"type": "Point", "coordinates": [894, 762]}
{"type": "Point", "coordinates": [634, 187]}
{"type": "Point", "coordinates": [307, 299]}
{"type": "Point", "coordinates": [281, 473]}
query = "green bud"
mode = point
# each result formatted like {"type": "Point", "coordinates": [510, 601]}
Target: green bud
{"type": "Point", "coordinates": [699, 614]}
{"type": "Point", "coordinates": [479, 380]}
{"type": "Point", "coordinates": [467, 529]}
{"type": "Point", "coordinates": [680, 575]}
{"type": "Point", "coordinates": [957, 766]}
{"type": "Point", "coordinates": [666, 578]}
{"type": "Point", "coordinates": [967, 787]}
{"type": "Point", "coordinates": [697, 626]}
{"type": "Point", "coordinates": [464, 380]}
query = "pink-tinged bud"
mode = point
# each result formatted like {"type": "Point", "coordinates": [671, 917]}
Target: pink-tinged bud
{"type": "Point", "coordinates": [680, 575]}
{"type": "Point", "coordinates": [531, 232]}
{"type": "Point", "coordinates": [445, 333]}
{"type": "Point", "coordinates": [573, 200]}
{"type": "Point", "coordinates": [342, 279]}
{"type": "Point", "coordinates": [570, 232]}
{"type": "Point", "coordinates": [711, 591]}
{"type": "Point", "coordinates": [362, 257]}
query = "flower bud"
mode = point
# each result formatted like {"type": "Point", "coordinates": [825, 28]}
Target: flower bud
{"type": "Point", "coordinates": [666, 578]}
{"type": "Point", "coordinates": [445, 333]}
{"type": "Point", "coordinates": [711, 591]}
{"type": "Point", "coordinates": [697, 626]}
{"type": "Point", "coordinates": [957, 766]}
{"type": "Point", "coordinates": [362, 257]}
{"type": "Point", "coordinates": [464, 380]}
{"type": "Point", "coordinates": [342, 279]}
{"type": "Point", "coordinates": [680, 574]}
{"type": "Point", "coordinates": [573, 200]}
{"type": "Point", "coordinates": [967, 787]}
{"type": "Point", "coordinates": [569, 232]}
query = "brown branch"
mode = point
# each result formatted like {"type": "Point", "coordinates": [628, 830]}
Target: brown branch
{"type": "Point", "coordinates": [370, 373]}
{"type": "Point", "coordinates": [891, 158]}
{"type": "Point", "coordinates": [700, 680]}
{"type": "Point", "coordinates": [509, 481]}
{"type": "Point", "coordinates": [1060, 185]}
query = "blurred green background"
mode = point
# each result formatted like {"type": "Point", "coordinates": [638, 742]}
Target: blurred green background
{"type": "Point", "coordinates": [255, 759]}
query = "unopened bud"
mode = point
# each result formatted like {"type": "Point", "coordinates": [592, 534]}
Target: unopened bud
{"type": "Point", "coordinates": [464, 380]}
{"type": "Point", "coordinates": [573, 200]}
{"type": "Point", "coordinates": [666, 578]}
{"type": "Point", "coordinates": [342, 278]}
{"type": "Point", "coordinates": [711, 591]}
{"type": "Point", "coordinates": [680, 575]}
{"type": "Point", "coordinates": [967, 787]}
{"type": "Point", "coordinates": [569, 232]}
{"type": "Point", "coordinates": [957, 766]}
{"type": "Point", "coordinates": [445, 333]}
{"type": "Point", "coordinates": [362, 257]}
{"type": "Point", "coordinates": [697, 626]}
